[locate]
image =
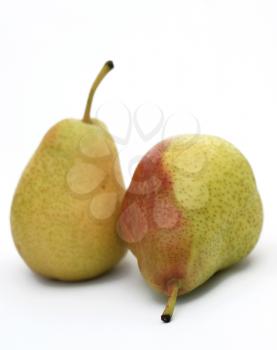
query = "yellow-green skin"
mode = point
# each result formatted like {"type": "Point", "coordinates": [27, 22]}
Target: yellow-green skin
{"type": "Point", "coordinates": [191, 210]}
{"type": "Point", "coordinates": [66, 205]}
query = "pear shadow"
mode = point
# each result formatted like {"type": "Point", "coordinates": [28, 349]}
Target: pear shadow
{"type": "Point", "coordinates": [116, 273]}
{"type": "Point", "coordinates": [214, 281]}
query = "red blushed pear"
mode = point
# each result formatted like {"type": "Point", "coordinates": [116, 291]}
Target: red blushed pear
{"type": "Point", "coordinates": [192, 209]}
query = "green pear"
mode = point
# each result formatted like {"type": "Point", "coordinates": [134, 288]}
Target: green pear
{"type": "Point", "coordinates": [67, 202]}
{"type": "Point", "coordinates": [192, 209]}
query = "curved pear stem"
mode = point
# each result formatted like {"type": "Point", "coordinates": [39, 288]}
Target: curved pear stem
{"type": "Point", "coordinates": [108, 66]}
{"type": "Point", "coordinates": [168, 311]}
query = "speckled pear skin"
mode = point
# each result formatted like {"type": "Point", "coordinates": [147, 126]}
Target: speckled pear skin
{"type": "Point", "coordinates": [192, 209]}
{"type": "Point", "coordinates": [66, 205]}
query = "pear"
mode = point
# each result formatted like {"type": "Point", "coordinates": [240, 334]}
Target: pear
{"type": "Point", "coordinates": [192, 209]}
{"type": "Point", "coordinates": [67, 202]}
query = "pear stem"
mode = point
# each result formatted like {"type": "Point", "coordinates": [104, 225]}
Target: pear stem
{"type": "Point", "coordinates": [108, 66]}
{"type": "Point", "coordinates": [168, 311]}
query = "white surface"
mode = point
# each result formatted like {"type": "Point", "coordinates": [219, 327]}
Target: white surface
{"type": "Point", "coordinates": [215, 60]}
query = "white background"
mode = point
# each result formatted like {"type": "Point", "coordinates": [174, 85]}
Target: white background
{"type": "Point", "coordinates": [213, 59]}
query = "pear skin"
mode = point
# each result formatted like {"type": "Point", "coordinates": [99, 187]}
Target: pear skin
{"type": "Point", "coordinates": [67, 202]}
{"type": "Point", "coordinates": [192, 209]}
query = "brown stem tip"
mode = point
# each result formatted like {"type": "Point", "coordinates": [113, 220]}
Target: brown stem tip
{"type": "Point", "coordinates": [166, 318]}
